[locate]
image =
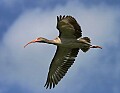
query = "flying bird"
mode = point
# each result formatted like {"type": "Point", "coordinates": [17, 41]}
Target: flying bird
{"type": "Point", "coordinates": [68, 43]}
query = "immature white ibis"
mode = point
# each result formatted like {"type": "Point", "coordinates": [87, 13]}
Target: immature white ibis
{"type": "Point", "coordinates": [68, 43]}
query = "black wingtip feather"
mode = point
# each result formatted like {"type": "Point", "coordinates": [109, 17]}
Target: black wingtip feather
{"type": "Point", "coordinates": [58, 19]}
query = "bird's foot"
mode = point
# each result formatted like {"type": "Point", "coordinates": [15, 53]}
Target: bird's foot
{"type": "Point", "coordinates": [96, 47]}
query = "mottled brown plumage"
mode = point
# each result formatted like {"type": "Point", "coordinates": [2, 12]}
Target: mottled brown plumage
{"type": "Point", "coordinates": [68, 43]}
{"type": "Point", "coordinates": [71, 23]}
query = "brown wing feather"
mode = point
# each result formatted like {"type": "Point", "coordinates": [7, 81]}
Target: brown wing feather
{"type": "Point", "coordinates": [60, 64]}
{"type": "Point", "coordinates": [69, 24]}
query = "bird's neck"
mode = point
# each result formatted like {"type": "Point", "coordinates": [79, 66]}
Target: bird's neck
{"type": "Point", "coordinates": [56, 41]}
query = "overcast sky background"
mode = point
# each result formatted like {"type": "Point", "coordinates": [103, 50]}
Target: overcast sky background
{"type": "Point", "coordinates": [24, 70]}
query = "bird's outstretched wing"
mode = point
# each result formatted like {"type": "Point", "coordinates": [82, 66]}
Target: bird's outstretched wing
{"type": "Point", "coordinates": [60, 64]}
{"type": "Point", "coordinates": [68, 27]}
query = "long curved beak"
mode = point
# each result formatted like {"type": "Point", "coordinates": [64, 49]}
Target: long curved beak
{"type": "Point", "coordinates": [33, 41]}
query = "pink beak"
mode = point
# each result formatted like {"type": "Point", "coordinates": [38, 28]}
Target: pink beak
{"type": "Point", "coordinates": [33, 41]}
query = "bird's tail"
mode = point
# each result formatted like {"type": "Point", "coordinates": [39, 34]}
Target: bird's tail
{"type": "Point", "coordinates": [85, 49]}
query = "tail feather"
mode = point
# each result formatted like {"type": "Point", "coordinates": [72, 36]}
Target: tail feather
{"type": "Point", "coordinates": [85, 49]}
{"type": "Point", "coordinates": [87, 39]}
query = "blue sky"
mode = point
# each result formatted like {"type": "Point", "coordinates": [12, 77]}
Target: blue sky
{"type": "Point", "coordinates": [25, 70]}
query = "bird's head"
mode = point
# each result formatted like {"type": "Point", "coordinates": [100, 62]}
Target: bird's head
{"type": "Point", "coordinates": [40, 39]}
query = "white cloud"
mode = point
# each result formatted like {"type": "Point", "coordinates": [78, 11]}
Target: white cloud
{"type": "Point", "coordinates": [28, 67]}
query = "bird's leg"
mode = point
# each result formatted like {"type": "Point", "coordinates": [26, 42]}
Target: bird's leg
{"type": "Point", "coordinates": [96, 47]}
